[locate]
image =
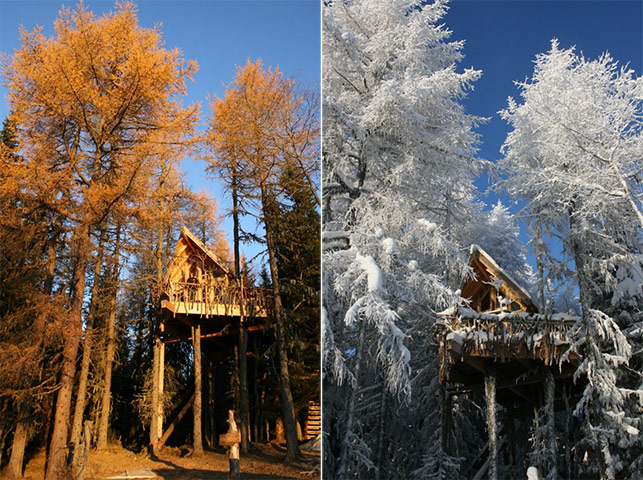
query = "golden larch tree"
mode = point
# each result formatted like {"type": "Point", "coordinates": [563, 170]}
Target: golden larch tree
{"type": "Point", "coordinates": [94, 106]}
{"type": "Point", "coordinates": [261, 129]}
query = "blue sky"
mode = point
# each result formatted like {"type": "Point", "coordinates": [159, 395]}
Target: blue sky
{"type": "Point", "coordinates": [504, 37]}
{"type": "Point", "coordinates": [218, 34]}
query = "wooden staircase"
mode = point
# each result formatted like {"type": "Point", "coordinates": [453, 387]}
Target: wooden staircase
{"type": "Point", "coordinates": [313, 420]}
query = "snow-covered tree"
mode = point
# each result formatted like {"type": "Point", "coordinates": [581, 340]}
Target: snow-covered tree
{"type": "Point", "coordinates": [575, 153]}
{"type": "Point", "coordinates": [497, 232]}
{"type": "Point", "coordinates": [399, 162]}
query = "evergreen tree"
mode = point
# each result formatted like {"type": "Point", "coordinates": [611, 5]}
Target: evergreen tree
{"type": "Point", "coordinates": [399, 155]}
{"type": "Point", "coordinates": [572, 155]}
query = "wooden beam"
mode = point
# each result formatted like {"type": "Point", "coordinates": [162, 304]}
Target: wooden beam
{"type": "Point", "coordinates": [490, 395]}
{"type": "Point", "coordinates": [482, 368]}
{"type": "Point", "coordinates": [225, 332]}
{"type": "Point", "coordinates": [508, 382]}
{"type": "Point", "coordinates": [177, 419]}
{"type": "Point", "coordinates": [197, 441]}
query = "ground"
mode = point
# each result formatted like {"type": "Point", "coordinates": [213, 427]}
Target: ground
{"type": "Point", "coordinates": [265, 462]}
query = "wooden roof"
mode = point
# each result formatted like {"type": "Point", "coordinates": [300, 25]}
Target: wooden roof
{"type": "Point", "coordinates": [490, 282]}
{"type": "Point", "coordinates": [190, 247]}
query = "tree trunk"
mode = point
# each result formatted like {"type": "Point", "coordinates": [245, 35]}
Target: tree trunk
{"type": "Point", "coordinates": [81, 397]}
{"type": "Point", "coordinates": [197, 441]}
{"type": "Point", "coordinates": [381, 430]}
{"type": "Point", "coordinates": [287, 404]}
{"type": "Point", "coordinates": [155, 431]}
{"type": "Point", "coordinates": [540, 267]}
{"type": "Point", "coordinates": [243, 384]}
{"type": "Point", "coordinates": [210, 404]}
{"type": "Point", "coordinates": [447, 419]}
{"type": "Point", "coordinates": [103, 425]}
{"type": "Point", "coordinates": [350, 409]}
{"type": "Point", "coordinates": [156, 427]}
{"type": "Point", "coordinates": [279, 430]}
{"type": "Point", "coordinates": [550, 386]}
{"type": "Point", "coordinates": [73, 332]}
{"type": "Point", "coordinates": [584, 293]}
{"type": "Point", "coordinates": [105, 407]}
{"type": "Point", "coordinates": [255, 393]}
{"type": "Point", "coordinates": [243, 329]}
{"type": "Point", "coordinates": [20, 438]}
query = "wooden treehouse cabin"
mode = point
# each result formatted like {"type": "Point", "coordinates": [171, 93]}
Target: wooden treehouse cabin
{"type": "Point", "coordinates": [200, 292]}
{"type": "Point", "coordinates": [202, 302]}
{"type": "Point", "coordinates": [499, 345]}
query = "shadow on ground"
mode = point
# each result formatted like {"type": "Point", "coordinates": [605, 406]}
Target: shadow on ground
{"type": "Point", "coordinates": [183, 474]}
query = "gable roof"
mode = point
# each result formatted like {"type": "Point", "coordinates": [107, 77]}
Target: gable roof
{"type": "Point", "coordinates": [189, 238]}
{"type": "Point", "coordinates": [201, 246]}
{"type": "Point", "coordinates": [477, 253]}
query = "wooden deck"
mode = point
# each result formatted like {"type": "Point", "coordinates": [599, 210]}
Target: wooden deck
{"type": "Point", "coordinates": [214, 299]}
{"type": "Point", "coordinates": [520, 348]}
{"type": "Point", "coordinates": [217, 308]}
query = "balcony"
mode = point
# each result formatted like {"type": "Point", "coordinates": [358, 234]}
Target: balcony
{"type": "Point", "coordinates": [215, 300]}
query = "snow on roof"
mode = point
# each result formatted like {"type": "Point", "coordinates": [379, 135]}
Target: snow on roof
{"type": "Point", "coordinates": [500, 272]}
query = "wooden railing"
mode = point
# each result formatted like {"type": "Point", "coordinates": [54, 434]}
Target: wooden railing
{"type": "Point", "coordinates": [217, 299]}
{"type": "Point", "coordinates": [505, 336]}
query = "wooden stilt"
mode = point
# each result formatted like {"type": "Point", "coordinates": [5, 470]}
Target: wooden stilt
{"type": "Point", "coordinates": [161, 381]}
{"type": "Point", "coordinates": [156, 427]}
{"type": "Point", "coordinates": [197, 441]}
{"type": "Point", "coordinates": [210, 404]}
{"type": "Point", "coordinates": [490, 393]}
{"type": "Point", "coordinates": [550, 391]}
{"type": "Point", "coordinates": [447, 420]}
{"type": "Point", "coordinates": [511, 436]}
{"type": "Point", "coordinates": [244, 406]}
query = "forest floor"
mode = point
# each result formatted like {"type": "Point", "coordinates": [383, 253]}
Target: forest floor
{"type": "Point", "coordinates": [265, 462]}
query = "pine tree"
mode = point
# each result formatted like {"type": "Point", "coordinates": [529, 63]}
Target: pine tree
{"type": "Point", "coordinates": [399, 162]}
{"type": "Point", "coordinates": [91, 105]}
{"type": "Point", "coordinates": [571, 154]}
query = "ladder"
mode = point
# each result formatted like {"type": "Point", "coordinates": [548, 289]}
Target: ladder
{"type": "Point", "coordinates": [313, 420]}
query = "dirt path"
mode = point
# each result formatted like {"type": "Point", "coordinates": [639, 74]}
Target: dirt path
{"type": "Point", "coordinates": [265, 463]}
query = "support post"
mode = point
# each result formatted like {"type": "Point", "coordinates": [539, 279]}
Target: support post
{"type": "Point", "coordinates": [511, 437]}
{"type": "Point", "coordinates": [156, 426]}
{"type": "Point", "coordinates": [550, 386]}
{"type": "Point", "coordinates": [447, 420]}
{"type": "Point", "coordinates": [161, 410]}
{"type": "Point", "coordinates": [197, 438]}
{"type": "Point", "coordinates": [210, 403]}
{"type": "Point", "coordinates": [243, 375]}
{"type": "Point", "coordinates": [490, 393]}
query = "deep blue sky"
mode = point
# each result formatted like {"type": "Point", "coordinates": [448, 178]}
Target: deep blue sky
{"type": "Point", "coordinates": [503, 38]}
{"type": "Point", "coordinates": [217, 34]}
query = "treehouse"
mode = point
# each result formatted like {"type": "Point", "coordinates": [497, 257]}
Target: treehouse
{"type": "Point", "coordinates": [499, 345]}
{"type": "Point", "coordinates": [199, 290]}
{"type": "Point", "coordinates": [202, 302]}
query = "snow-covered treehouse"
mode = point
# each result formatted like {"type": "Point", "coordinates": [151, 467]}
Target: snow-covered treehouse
{"type": "Point", "coordinates": [500, 345]}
